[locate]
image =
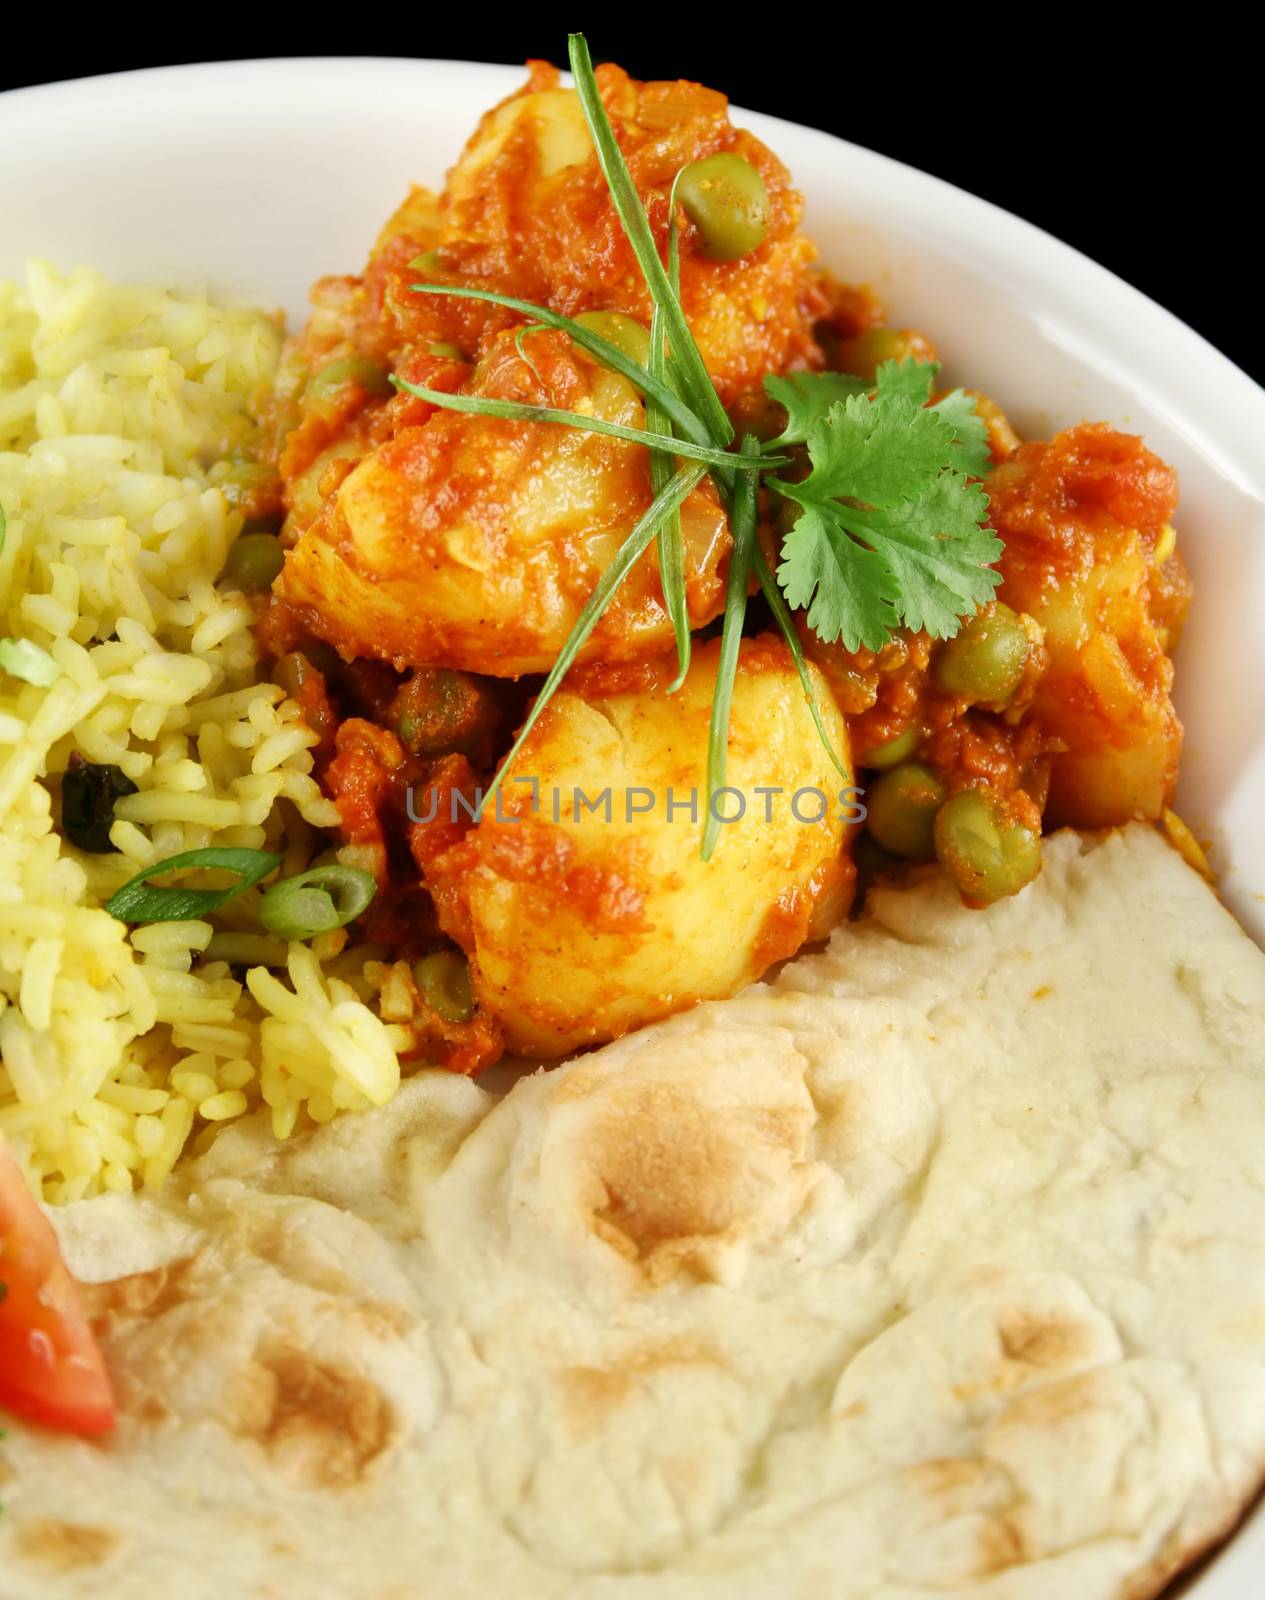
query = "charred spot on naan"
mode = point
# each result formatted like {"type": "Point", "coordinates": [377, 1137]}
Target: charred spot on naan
{"type": "Point", "coordinates": [592, 1395]}
{"type": "Point", "coordinates": [63, 1548]}
{"type": "Point", "coordinates": [1049, 1406]}
{"type": "Point", "coordinates": [137, 1295]}
{"type": "Point", "coordinates": [1044, 1341]}
{"type": "Point", "coordinates": [322, 1425]}
{"type": "Point", "coordinates": [179, 1342]}
{"type": "Point", "coordinates": [1001, 1545]}
{"type": "Point", "coordinates": [962, 1486]}
{"type": "Point", "coordinates": [673, 1176]}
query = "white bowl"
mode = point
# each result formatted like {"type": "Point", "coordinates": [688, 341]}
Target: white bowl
{"type": "Point", "coordinates": [257, 177]}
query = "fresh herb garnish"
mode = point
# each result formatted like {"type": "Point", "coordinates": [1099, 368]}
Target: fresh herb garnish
{"type": "Point", "coordinates": [742, 523]}
{"type": "Point", "coordinates": [671, 544]}
{"type": "Point", "coordinates": [316, 901]}
{"type": "Point", "coordinates": [807, 396]}
{"type": "Point", "coordinates": [519, 411]}
{"type": "Point", "coordinates": [690, 375]}
{"type": "Point", "coordinates": [22, 659]}
{"type": "Point", "coordinates": [139, 901]}
{"type": "Point", "coordinates": [626, 557]}
{"type": "Point", "coordinates": [890, 530]}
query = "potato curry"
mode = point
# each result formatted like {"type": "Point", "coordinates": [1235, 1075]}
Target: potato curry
{"type": "Point", "coordinates": [420, 569]}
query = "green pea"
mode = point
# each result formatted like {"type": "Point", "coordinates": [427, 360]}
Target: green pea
{"type": "Point", "coordinates": [445, 348]}
{"type": "Point", "coordinates": [247, 482]}
{"type": "Point", "coordinates": [443, 981]}
{"type": "Point", "coordinates": [866, 352]}
{"type": "Point", "coordinates": [439, 710]}
{"type": "Point", "coordinates": [294, 669]}
{"type": "Point", "coordinates": [625, 333]}
{"type": "Point", "coordinates": [986, 854]}
{"type": "Point", "coordinates": [986, 659]}
{"type": "Point", "coordinates": [894, 751]}
{"type": "Point", "coordinates": [316, 901]}
{"type": "Point", "coordinates": [726, 200]}
{"type": "Point", "coordinates": [428, 261]}
{"type": "Point", "coordinates": [254, 562]}
{"type": "Point", "coordinates": [902, 809]}
{"type": "Point", "coordinates": [370, 376]}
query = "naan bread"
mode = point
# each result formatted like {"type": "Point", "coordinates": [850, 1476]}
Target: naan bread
{"type": "Point", "coordinates": [937, 1265]}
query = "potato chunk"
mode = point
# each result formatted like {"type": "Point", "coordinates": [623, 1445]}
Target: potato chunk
{"type": "Point", "coordinates": [585, 917]}
{"type": "Point", "coordinates": [1089, 554]}
{"type": "Point", "coordinates": [473, 542]}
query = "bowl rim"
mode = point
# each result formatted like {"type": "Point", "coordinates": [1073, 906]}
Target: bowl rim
{"type": "Point", "coordinates": [1119, 292]}
{"type": "Point", "coordinates": [1185, 380]}
{"type": "Point", "coordinates": [106, 85]}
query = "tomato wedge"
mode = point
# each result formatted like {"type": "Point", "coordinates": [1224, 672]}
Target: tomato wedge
{"type": "Point", "coordinates": [51, 1368]}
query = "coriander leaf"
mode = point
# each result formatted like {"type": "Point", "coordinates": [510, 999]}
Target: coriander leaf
{"type": "Point", "coordinates": [889, 532]}
{"type": "Point", "coordinates": [974, 454]}
{"type": "Point", "coordinates": [914, 379]}
{"type": "Point", "coordinates": [849, 591]}
{"type": "Point", "coordinates": [937, 551]}
{"type": "Point", "coordinates": [881, 451]}
{"type": "Point", "coordinates": [807, 396]}
{"type": "Point", "coordinates": [911, 378]}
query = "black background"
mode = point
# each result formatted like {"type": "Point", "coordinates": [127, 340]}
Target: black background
{"type": "Point", "coordinates": [1140, 148]}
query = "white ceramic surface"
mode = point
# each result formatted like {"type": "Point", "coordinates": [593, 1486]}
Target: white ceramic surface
{"type": "Point", "coordinates": [258, 177]}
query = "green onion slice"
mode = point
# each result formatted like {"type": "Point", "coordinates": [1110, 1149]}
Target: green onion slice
{"type": "Point", "coordinates": [22, 659]}
{"type": "Point", "coordinates": [316, 901]}
{"type": "Point", "coordinates": [139, 901]}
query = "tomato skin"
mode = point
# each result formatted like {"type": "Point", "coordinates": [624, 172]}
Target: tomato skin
{"type": "Point", "coordinates": [51, 1368]}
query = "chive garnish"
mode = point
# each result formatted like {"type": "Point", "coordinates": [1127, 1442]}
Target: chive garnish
{"type": "Point", "coordinates": [518, 411]}
{"type": "Point", "coordinates": [742, 519]}
{"type": "Point", "coordinates": [625, 558]}
{"type": "Point", "coordinates": [891, 519]}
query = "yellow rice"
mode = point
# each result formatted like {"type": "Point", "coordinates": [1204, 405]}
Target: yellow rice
{"type": "Point", "coordinates": [117, 408]}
